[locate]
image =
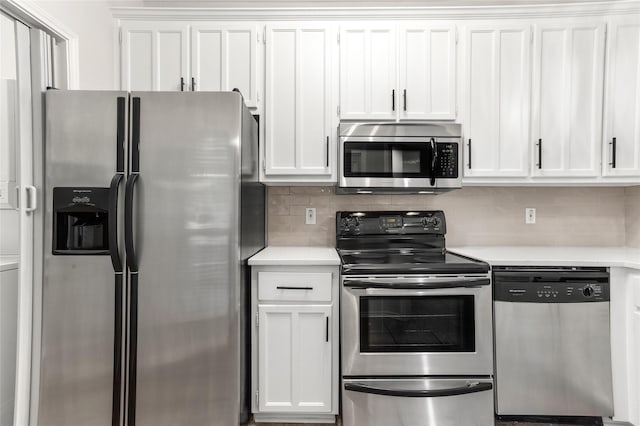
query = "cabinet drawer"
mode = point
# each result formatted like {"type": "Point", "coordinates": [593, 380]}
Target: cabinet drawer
{"type": "Point", "coordinates": [294, 286]}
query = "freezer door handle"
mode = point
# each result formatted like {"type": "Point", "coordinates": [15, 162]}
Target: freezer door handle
{"type": "Point", "coordinates": [113, 223]}
{"type": "Point", "coordinates": [117, 353]}
{"type": "Point", "coordinates": [471, 387]}
{"type": "Point", "coordinates": [132, 261]}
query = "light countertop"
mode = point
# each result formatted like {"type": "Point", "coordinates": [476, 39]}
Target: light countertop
{"type": "Point", "coordinates": [9, 262]}
{"type": "Point", "coordinates": [553, 256]}
{"type": "Point", "coordinates": [290, 255]}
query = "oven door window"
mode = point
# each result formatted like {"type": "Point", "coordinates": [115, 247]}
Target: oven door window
{"type": "Point", "coordinates": [417, 324]}
{"type": "Point", "coordinates": [382, 159]}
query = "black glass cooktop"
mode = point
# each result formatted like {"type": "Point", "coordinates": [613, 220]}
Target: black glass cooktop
{"type": "Point", "coordinates": [408, 262]}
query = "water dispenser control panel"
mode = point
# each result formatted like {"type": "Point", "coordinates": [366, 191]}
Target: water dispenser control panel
{"type": "Point", "coordinates": [80, 221]}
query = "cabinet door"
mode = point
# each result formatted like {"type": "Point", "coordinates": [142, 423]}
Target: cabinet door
{"type": "Point", "coordinates": [368, 86]}
{"type": "Point", "coordinates": [154, 56]}
{"type": "Point", "coordinates": [299, 110]}
{"type": "Point", "coordinates": [635, 394]}
{"type": "Point", "coordinates": [223, 58]}
{"type": "Point", "coordinates": [294, 358]}
{"type": "Point", "coordinates": [567, 98]}
{"type": "Point", "coordinates": [496, 101]}
{"type": "Point", "coordinates": [427, 71]}
{"type": "Point", "coordinates": [622, 115]}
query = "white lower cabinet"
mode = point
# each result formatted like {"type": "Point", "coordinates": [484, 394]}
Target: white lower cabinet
{"type": "Point", "coordinates": [295, 358]}
{"type": "Point", "coordinates": [294, 343]}
{"type": "Point", "coordinates": [635, 388]}
{"type": "Point", "coordinates": [625, 344]}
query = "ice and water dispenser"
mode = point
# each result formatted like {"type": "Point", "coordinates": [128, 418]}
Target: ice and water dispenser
{"type": "Point", "coordinates": [80, 221]}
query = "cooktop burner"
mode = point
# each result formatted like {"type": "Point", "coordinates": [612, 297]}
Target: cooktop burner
{"type": "Point", "coordinates": [399, 243]}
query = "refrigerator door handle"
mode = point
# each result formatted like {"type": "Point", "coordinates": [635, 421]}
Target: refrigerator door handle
{"type": "Point", "coordinates": [132, 261]}
{"type": "Point", "coordinates": [113, 223]}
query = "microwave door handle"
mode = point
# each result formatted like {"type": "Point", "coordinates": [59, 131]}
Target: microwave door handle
{"type": "Point", "coordinates": [418, 283]}
{"type": "Point", "coordinates": [434, 158]}
{"type": "Point", "coordinates": [472, 387]}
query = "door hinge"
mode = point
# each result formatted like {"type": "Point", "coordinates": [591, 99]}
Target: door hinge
{"type": "Point", "coordinates": [530, 36]}
{"type": "Point", "coordinates": [264, 35]}
{"type": "Point", "coordinates": [257, 320]}
{"type": "Point", "coordinates": [257, 96]}
{"type": "Point", "coordinates": [257, 399]}
{"type": "Point", "coordinates": [338, 109]}
{"type": "Point", "coordinates": [338, 38]}
{"type": "Point", "coordinates": [120, 36]}
{"type": "Point", "coordinates": [456, 35]}
{"type": "Point", "coordinates": [264, 168]}
{"type": "Point", "coordinates": [456, 110]}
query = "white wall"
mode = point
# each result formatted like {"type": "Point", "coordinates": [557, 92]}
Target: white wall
{"type": "Point", "coordinates": [91, 20]}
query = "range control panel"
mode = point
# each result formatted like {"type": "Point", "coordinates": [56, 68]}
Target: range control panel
{"type": "Point", "coordinates": [391, 222]}
{"type": "Point", "coordinates": [551, 286]}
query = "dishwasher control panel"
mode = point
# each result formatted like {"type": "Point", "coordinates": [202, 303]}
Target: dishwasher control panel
{"type": "Point", "coordinates": [551, 286]}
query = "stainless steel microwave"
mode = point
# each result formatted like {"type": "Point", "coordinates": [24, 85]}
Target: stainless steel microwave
{"type": "Point", "coordinates": [417, 158]}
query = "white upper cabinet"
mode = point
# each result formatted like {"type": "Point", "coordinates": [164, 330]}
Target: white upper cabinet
{"type": "Point", "coordinates": [300, 106]}
{"type": "Point", "coordinates": [154, 56]}
{"type": "Point", "coordinates": [368, 71]}
{"type": "Point", "coordinates": [568, 64]}
{"type": "Point", "coordinates": [497, 76]}
{"type": "Point", "coordinates": [426, 89]}
{"type": "Point", "coordinates": [174, 56]}
{"type": "Point", "coordinates": [224, 57]}
{"type": "Point", "coordinates": [621, 154]}
{"type": "Point", "coordinates": [397, 71]}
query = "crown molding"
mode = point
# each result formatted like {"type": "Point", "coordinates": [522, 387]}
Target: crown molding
{"type": "Point", "coordinates": [584, 9]}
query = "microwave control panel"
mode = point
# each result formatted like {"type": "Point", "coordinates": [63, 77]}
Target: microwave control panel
{"type": "Point", "coordinates": [447, 160]}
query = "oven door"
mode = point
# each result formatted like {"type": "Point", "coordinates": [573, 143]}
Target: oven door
{"type": "Point", "coordinates": [418, 325]}
{"type": "Point", "coordinates": [425, 402]}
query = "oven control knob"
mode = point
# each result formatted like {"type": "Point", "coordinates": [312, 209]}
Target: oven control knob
{"type": "Point", "coordinates": [431, 222]}
{"type": "Point", "coordinates": [588, 291]}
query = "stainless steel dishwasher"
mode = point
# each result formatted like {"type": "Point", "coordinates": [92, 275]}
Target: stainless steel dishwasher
{"type": "Point", "coordinates": [552, 342]}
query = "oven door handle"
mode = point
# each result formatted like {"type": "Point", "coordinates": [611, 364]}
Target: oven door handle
{"type": "Point", "coordinates": [471, 387]}
{"type": "Point", "coordinates": [417, 283]}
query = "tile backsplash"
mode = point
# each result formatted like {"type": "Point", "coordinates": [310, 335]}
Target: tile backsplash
{"type": "Point", "coordinates": [632, 208]}
{"type": "Point", "coordinates": [475, 215]}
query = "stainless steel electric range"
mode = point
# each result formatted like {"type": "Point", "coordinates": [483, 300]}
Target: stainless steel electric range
{"type": "Point", "coordinates": [416, 324]}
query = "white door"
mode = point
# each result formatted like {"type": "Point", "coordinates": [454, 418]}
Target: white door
{"type": "Point", "coordinates": [621, 153]}
{"type": "Point", "coordinates": [368, 63]}
{"type": "Point", "coordinates": [427, 71]}
{"type": "Point", "coordinates": [496, 100]}
{"type": "Point", "coordinates": [154, 56]}
{"type": "Point", "coordinates": [568, 75]}
{"type": "Point", "coordinates": [223, 58]}
{"type": "Point", "coordinates": [300, 111]}
{"type": "Point", "coordinates": [294, 358]}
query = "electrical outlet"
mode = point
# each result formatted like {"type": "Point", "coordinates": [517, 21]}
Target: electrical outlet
{"type": "Point", "coordinates": [530, 215]}
{"type": "Point", "coordinates": [310, 216]}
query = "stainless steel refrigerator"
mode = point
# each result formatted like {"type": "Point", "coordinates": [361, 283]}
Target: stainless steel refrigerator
{"type": "Point", "coordinates": [153, 206]}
